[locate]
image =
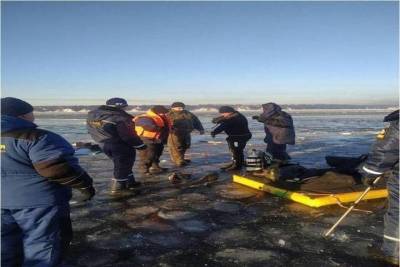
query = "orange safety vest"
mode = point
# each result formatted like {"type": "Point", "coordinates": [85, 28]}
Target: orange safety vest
{"type": "Point", "coordinates": [158, 123]}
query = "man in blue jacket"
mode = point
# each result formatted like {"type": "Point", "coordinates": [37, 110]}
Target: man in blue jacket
{"type": "Point", "coordinates": [384, 159]}
{"type": "Point", "coordinates": [38, 170]}
{"type": "Point", "coordinates": [113, 128]}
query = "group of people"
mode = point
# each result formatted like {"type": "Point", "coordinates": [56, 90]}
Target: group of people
{"type": "Point", "coordinates": [121, 134]}
{"type": "Point", "coordinates": [38, 167]}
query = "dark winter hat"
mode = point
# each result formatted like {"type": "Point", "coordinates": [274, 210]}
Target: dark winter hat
{"type": "Point", "coordinates": [159, 109]}
{"type": "Point", "coordinates": [226, 109]}
{"type": "Point", "coordinates": [178, 105]}
{"type": "Point", "coordinates": [117, 102]}
{"type": "Point", "coordinates": [14, 107]}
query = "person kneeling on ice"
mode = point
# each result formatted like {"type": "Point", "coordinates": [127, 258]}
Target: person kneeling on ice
{"type": "Point", "coordinates": [235, 125]}
{"type": "Point", "coordinates": [113, 128]}
{"type": "Point", "coordinates": [279, 131]}
{"type": "Point", "coordinates": [38, 170]}
{"type": "Point", "coordinates": [153, 129]}
{"type": "Point", "coordinates": [183, 122]}
{"type": "Point", "coordinates": [384, 158]}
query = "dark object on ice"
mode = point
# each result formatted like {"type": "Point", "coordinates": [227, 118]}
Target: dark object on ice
{"type": "Point", "coordinates": [178, 177]}
{"type": "Point", "coordinates": [345, 164]}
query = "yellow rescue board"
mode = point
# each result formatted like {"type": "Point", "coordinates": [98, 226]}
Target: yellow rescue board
{"type": "Point", "coordinates": [303, 198]}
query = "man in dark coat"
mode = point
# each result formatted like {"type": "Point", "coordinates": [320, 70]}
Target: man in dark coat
{"type": "Point", "coordinates": [279, 130]}
{"type": "Point", "coordinates": [38, 170]}
{"type": "Point", "coordinates": [235, 125]}
{"type": "Point", "coordinates": [384, 159]}
{"type": "Point", "coordinates": [183, 123]}
{"type": "Point", "coordinates": [114, 130]}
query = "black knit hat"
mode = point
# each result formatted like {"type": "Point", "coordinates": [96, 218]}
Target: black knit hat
{"type": "Point", "coordinates": [117, 102]}
{"type": "Point", "coordinates": [159, 109]}
{"type": "Point", "coordinates": [178, 105]}
{"type": "Point", "coordinates": [14, 107]}
{"type": "Point", "coordinates": [226, 109]}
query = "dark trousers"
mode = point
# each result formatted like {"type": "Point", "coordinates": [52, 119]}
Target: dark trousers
{"type": "Point", "coordinates": [123, 157]}
{"type": "Point", "coordinates": [236, 148]}
{"type": "Point", "coordinates": [35, 236]}
{"type": "Point", "coordinates": [391, 221]}
{"type": "Point", "coordinates": [178, 143]}
{"type": "Point", "coordinates": [151, 155]}
{"type": "Point", "coordinates": [277, 151]}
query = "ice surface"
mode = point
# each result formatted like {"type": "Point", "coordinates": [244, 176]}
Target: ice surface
{"type": "Point", "coordinates": [223, 224]}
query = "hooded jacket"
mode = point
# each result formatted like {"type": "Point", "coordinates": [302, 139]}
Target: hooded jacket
{"type": "Point", "coordinates": [113, 125]}
{"type": "Point", "coordinates": [384, 155]}
{"type": "Point", "coordinates": [278, 125]}
{"type": "Point", "coordinates": [38, 167]}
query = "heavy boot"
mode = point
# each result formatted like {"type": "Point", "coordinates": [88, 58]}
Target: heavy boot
{"type": "Point", "coordinates": [118, 187]}
{"type": "Point", "coordinates": [228, 165]}
{"type": "Point", "coordinates": [132, 184]}
{"type": "Point", "coordinates": [156, 169]}
{"type": "Point", "coordinates": [234, 167]}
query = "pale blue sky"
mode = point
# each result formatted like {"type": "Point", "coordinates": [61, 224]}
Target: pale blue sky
{"type": "Point", "coordinates": [209, 52]}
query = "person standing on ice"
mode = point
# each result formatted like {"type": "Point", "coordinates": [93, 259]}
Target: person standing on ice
{"type": "Point", "coordinates": [153, 128]}
{"type": "Point", "coordinates": [279, 130]}
{"type": "Point", "coordinates": [113, 128]}
{"type": "Point", "coordinates": [384, 159]}
{"type": "Point", "coordinates": [38, 170]}
{"type": "Point", "coordinates": [235, 125]}
{"type": "Point", "coordinates": [183, 123]}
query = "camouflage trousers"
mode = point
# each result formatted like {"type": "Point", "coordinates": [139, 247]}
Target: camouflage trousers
{"type": "Point", "coordinates": [178, 143]}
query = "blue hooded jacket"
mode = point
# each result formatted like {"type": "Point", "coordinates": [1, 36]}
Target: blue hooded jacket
{"type": "Point", "coordinates": [38, 167]}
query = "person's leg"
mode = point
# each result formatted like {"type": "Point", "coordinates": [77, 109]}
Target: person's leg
{"type": "Point", "coordinates": [237, 155]}
{"type": "Point", "coordinates": [391, 221]}
{"type": "Point", "coordinates": [41, 235]}
{"type": "Point", "coordinates": [175, 149]}
{"type": "Point", "coordinates": [123, 158]}
{"type": "Point", "coordinates": [158, 150]}
{"type": "Point", "coordinates": [145, 159]}
{"type": "Point", "coordinates": [11, 240]}
{"type": "Point", "coordinates": [66, 233]}
{"type": "Point", "coordinates": [186, 143]}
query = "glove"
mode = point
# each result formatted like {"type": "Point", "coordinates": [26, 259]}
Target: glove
{"type": "Point", "coordinates": [255, 117]}
{"type": "Point", "coordinates": [212, 134]}
{"type": "Point", "coordinates": [88, 193]}
{"type": "Point", "coordinates": [217, 119]}
{"type": "Point", "coordinates": [202, 132]}
{"type": "Point", "coordinates": [144, 147]}
{"type": "Point", "coordinates": [368, 180]}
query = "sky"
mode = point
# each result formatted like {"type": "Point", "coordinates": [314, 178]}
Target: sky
{"type": "Point", "coordinates": [77, 53]}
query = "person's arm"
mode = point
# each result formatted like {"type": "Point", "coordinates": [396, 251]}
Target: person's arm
{"type": "Point", "coordinates": [53, 158]}
{"type": "Point", "coordinates": [384, 154]}
{"type": "Point", "coordinates": [197, 124]}
{"type": "Point", "coordinates": [220, 128]}
{"type": "Point", "coordinates": [126, 131]}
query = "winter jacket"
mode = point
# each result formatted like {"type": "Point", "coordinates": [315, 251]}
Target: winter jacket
{"type": "Point", "coordinates": [278, 125]}
{"type": "Point", "coordinates": [384, 155]}
{"type": "Point", "coordinates": [184, 122]}
{"type": "Point", "coordinates": [38, 167]}
{"type": "Point", "coordinates": [112, 125]}
{"type": "Point", "coordinates": [235, 126]}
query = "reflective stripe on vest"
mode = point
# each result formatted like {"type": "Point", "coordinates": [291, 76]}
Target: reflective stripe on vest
{"type": "Point", "coordinates": [158, 122]}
